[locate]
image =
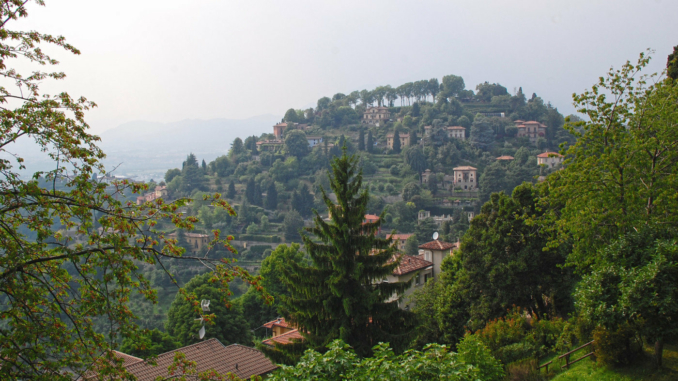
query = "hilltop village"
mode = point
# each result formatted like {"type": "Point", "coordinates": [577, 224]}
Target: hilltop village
{"type": "Point", "coordinates": [429, 163]}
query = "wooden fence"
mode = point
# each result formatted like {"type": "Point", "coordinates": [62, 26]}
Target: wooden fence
{"type": "Point", "coordinates": [567, 357]}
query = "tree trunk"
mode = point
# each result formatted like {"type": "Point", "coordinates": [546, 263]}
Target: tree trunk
{"type": "Point", "coordinates": [659, 351]}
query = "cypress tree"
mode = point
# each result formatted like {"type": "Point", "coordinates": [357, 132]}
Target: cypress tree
{"type": "Point", "coordinates": [341, 294]}
{"type": "Point", "coordinates": [271, 197]}
{"type": "Point", "coordinates": [361, 140]}
{"type": "Point", "coordinates": [258, 200]}
{"type": "Point", "coordinates": [413, 138]}
{"type": "Point", "coordinates": [231, 190]}
{"type": "Point", "coordinates": [370, 142]}
{"type": "Point", "coordinates": [250, 191]}
{"type": "Point", "coordinates": [396, 141]}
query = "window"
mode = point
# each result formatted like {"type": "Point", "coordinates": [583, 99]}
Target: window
{"type": "Point", "coordinates": [427, 256]}
{"type": "Point", "coordinates": [417, 280]}
{"type": "Point", "coordinates": [426, 277]}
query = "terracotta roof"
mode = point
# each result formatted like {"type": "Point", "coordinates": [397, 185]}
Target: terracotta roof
{"type": "Point", "coordinates": [438, 245]}
{"type": "Point", "coordinates": [456, 128]}
{"type": "Point", "coordinates": [277, 322]}
{"type": "Point", "coordinates": [464, 168]}
{"type": "Point", "coordinates": [371, 218]}
{"type": "Point", "coordinates": [505, 157]}
{"type": "Point", "coordinates": [127, 360]}
{"type": "Point", "coordinates": [390, 135]}
{"type": "Point", "coordinates": [210, 354]}
{"type": "Point", "coordinates": [409, 263]}
{"type": "Point", "coordinates": [399, 236]}
{"type": "Point", "coordinates": [550, 154]}
{"type": "Point", "coordinates": [285, 338]}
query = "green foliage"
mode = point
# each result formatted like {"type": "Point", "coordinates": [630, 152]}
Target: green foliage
{"type": "Point", "coordinates": [271, 197]}
{"type": "Point", "coordinates": [482, 133]}
{"type": "Point", "coordinates": [396, 141]}
{"type": "Point", "coordinates": [291, 116]}
{"type": "Point", "coordinates": [410, 190]}
{"type": "Point", "coordinates": [424, 230]}
{"type": "Point", "coordinates": [228, 324]}
{"type": "Point", "coordinates": [412, 246]}
{"type": "Point", "coordinates": [171, 174]}
{"type": "Point", "coordinates": [192, 176]}
{"type": "Point", "coordinates": [620, 174]}
{"type": "Point", "coordinates": [672, 64]}
{"type": "Point", "coordinates": [370, 142]}
{"type": "Point", "coordinates": [302, 201]}
{"type": "Point", "coordinates": [435, 362]}
{"type": "Point", "coordinates": [340, 294]}
{"type": "Point", "coordinates": [615, 346]}
{"type": "Point", "coordinates": [231, 190]}
{"type": "Point", "coordinates": [296, 143]}
{"type": "Point", "coordinates": [149, 343]}
{"type": "Point", "coordinates": [292, 224]}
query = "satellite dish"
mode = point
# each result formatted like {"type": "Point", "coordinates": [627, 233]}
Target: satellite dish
{"type": "Point", "coordinates": [435, 236]}
{"type": "Point", "coordinates": [201, 333]}
{"type": "Point", "coordinates": [205, 304]}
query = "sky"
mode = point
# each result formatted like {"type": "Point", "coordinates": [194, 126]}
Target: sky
{"type": "Point", "coordinates": [170, 60]}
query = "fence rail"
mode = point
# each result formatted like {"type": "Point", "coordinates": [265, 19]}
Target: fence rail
{"type": "Point", "coordinates": [567, 357]}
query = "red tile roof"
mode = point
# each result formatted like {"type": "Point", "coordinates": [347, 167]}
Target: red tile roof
{"type": "Point", "coordinates": [371, 218]}
{"type": "Point", "coordinates": [505, 157]}
{"type": "Point", "coordinates": [285, 338]}
{"type": "Point", "coordinates": [438, 245]}
{"type": "Point", "coordinates": [456, 128]}
{"type": "Point", "coordinates": [550, 154]}
{"type": "Point", "coordinates": [399, 237]}
{"type": "Point", "coordinates": [126, 359]}
{"type": "Point", "coordinates": [409, 263]}
{"type": "Point", "coordinates": [210, 354]}
{"type": "Point", "coordinates": [277, 322]}
{"type": "Point", "coordinates": [464, 168]}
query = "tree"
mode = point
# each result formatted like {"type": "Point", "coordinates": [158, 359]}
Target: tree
{"type": "Point", "coordinates": [256, 309]}
{"type": "Point", "coordinates": [71, 246]}
{"type": "Point", "coordinates": [296, 144]}
{"type": "Point", "coordinates": [171, 174]}
{"type": "Point", "coordinates": [425, 229]}
{"type": "Point", "coordinates": [414, 157]}
{"type": "Point", "coordinates": [231, 190]}
{"type": "Point", "coordinates": [504, 250]}
{"type": "Point", "coordinates": [672, 64]}
{"type": "Point", "coordinates": [435, 362]}
{"type": "Point", "coordinates": [292, 224]}
{"type": "Point", "coordinates": [396, 141]}
{"type": "Point", "coordinates": [361, 140]}
{"type": "Point", "coordinates": [271, 197]}
{"type": "Point", "coordinates": [492, 180]}
{"type": "Point", "coordinates": [237, 148]}
{"type": "Point", "coordinates": [410, 190]}
{"type": "Point", "coordinates": [340, 295]}
{"type": "Point", "coordinates": [433, 184]}
{"type": "Point", "coordinates": [620, 173]}
{"type": "Point", "coordinates": [635, 280]}
{"type": "Point", "coordinates": [302, 201]}
{"type": "Point", "coordinates": [433, 88]}
{"type": "Point", "coordinates": [251, 191]}
{"type": "Point", "coordinates": [149, 343]}
{"type": "Point", "coordinates": [412, 246]}
{"type": "Point", "coordinates": [192, 177]}
{"type": "Point", "coordinates": [230, 326]}
{"type": "Point", "coordinates": [452, 86]}
{"type": "Point", "coordinates": [370, 142]}
{"type": "Point", "coordinates": [291, 116]}
{"type": "Point", "coordinates": [482, 134]}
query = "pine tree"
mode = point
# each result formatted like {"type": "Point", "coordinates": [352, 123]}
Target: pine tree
{"type": "Point", "coordinates": [396, 141]}
{"type": "Point", "coordinates": [361, 140]}
{"type": "Point", "coordinates": [204, 166]}
{"type": "Point", "coordinates": [370, 142]}
{"type": "Point", "coordinates": [302, 201]}
{"type": "Point", "coordinates": [271, 197]}
{"type": "Point", "coordinates": [231, 190]}
{"type": "Point", "coordinates": [341, 294]}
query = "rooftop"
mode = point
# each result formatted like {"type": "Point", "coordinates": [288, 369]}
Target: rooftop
{"type": "Point", "coordinates": [549, 154]}
{"type": "Point", "coordinates": [280, 322]}
{"type": "Point", "coordinates": [464, 168]}
{"type": "Point", "coordinates": [505, 157]}
{"type": "Point", "coordinates": [390, 135]}
{"type": "Point", "coordinates": [285, 338]}
{"type": "Point", "coordinates": [399, 236]}
{"type": "Point", "coordinates": [410, 263]}
{"type": "Point", "coordinates": [210, 354]}
{"type": "Point", "coordinates": [438, 245]}
{"type": "Point", "coordinates": [456, 128]}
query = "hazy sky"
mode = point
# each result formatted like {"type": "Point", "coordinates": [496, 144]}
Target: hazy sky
{"type": "Point", "coordinates": [168, 60]}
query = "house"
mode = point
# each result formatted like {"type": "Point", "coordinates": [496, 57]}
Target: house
{"type": "Point", "coordinates": [279, 129]}
{"type": "Point", "coordinates": [279, 327]}
{"type": "Point", "coordinates": [404, 140]}
{"type": "Point", "coordinates": [237, 359]}
{"type": "Point", "coordinates": [411, 266]}
{"type": "Point", "coordinates": [285, 338]}
{"type": "Point", "coordinates": [375, 116]}
{"type": "Point", "coordinates": [465, 178]}
{"type": "Point", "coordinates": [435, 251]}
{"type": "Point", "coordinates": [269, 145]}
{"type": "Point", "coordinates": [159, 192]}
{"type": "Point", "coordinates": [550, 159]}
{"type": "Point", "coordinates": [426, 176]}
{"type": "Point", "coordinates": [424, 214]}
{"type": "Point", "coordinates": [195, 241]}
{"type": "Point", "coordinates": [532, 129]}
{"type": "Point", "coordinates": [399, 239]}
{"type": "Point", "coordinates": [314, 140]}
{"type": "Point", "coordinates": [505, 158]}
{"type": "Point", "coordinates": [456, 132]}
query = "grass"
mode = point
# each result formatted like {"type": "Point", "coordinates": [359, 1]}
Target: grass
{"type": "Point", "coordinates": [642, 370]}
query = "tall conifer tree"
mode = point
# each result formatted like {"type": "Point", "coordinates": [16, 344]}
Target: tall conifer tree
{"type": "Point", "coordinates": [396, 141]}
{"type": "Point", "coordinates": [341, 294]}
{"type": "Point", "coordinates": [272, 197]}
{"type": "Point", "coordinates": [361, 140]}
{"type": "Point", "coordinates": [231, 190]}
{"type": "Point", "coordinates": [370, 142]}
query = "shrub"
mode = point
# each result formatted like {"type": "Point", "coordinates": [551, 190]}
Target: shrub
{"type": "Point", "coordinates": [525, 370]}
{"type": "Point", "coordinates": [615, 347]}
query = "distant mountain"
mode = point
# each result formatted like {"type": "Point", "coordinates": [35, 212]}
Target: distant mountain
{"type": "Point", "coordinates": [147, 149]}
